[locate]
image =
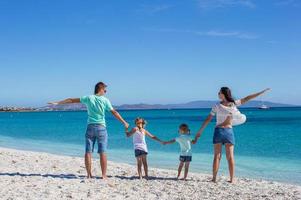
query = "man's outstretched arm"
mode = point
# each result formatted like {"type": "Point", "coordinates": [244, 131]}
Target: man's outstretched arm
{"type": "Point", "coordinates": [118, 116]}
{"type": "Point", "coordinates": [65, 101]}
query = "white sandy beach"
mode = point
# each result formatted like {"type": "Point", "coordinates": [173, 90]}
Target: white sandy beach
{"type": "Point", "coordinates": [33, 175]}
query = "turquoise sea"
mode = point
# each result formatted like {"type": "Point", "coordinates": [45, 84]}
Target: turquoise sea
{"type": "Point", "coordinates": [267, 145]}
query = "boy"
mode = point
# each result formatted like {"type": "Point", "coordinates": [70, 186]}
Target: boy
{"type": "Point", "coordinates": [185, 144]}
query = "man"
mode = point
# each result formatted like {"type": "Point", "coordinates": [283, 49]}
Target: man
{"type": "Point", "coordinates": [97, 105]}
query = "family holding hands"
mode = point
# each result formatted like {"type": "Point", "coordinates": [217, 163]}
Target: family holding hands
{"type": "Point", "coordinates": [226, 112]}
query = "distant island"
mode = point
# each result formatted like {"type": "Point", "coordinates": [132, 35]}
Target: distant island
{"type": "Point", "coordinates": [141, 106]}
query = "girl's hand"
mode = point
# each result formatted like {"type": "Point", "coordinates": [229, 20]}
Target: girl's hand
{"type": "Point", "coordinates": [126, 126]}
{"type": "Point", "coordinates": [194, 141]}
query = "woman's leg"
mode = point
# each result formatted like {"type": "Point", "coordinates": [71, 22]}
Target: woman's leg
{"type": "Point", "coordinates": [139, 164]}
{"type": "Point", "coordinates": [186, 170]}
{"type": "Point", "coordinates": [145, 166]}
{"type": "Point", "coordinates": [230, 158]}
{"type": "Point", "coordinates": [216, 160]}
{"type": "Point", "coordinates": [180, 169]}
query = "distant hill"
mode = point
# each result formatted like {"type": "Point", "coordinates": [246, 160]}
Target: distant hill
{"type": "Point", "coordinates": [142, 106]}
{"type": "Point", "coordinates": [195, 104]}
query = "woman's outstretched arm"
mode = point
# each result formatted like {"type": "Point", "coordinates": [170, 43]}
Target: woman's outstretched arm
{"type": "Point", "coordinates": [204, 125]}
{"type": "Point", "coordinates": [253, 96]}
{"type": "Point", "coordinates": [65, 101]}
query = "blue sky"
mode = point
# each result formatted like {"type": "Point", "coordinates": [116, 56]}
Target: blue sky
{"type": "Point", "coordinates": [150, 51]}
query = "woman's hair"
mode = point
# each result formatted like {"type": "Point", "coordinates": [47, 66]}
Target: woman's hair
{"type": "Point", "coordinates": [184, 127]}
{"type": "Point", "coordinates": [99, 86]}
{"type": "Point", "coordinates": [227, 93]}
{"type": "Point", "coordinates": [144, 122]}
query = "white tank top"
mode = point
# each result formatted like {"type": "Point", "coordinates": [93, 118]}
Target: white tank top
{"type": "Point", "coordinates": [139, 141]}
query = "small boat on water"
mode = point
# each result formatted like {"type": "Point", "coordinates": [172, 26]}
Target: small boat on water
{"type": "Point", "coordinates": [264, 107]}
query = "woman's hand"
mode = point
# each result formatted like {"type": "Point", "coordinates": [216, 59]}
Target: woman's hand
{"type": "Point", "coordinates": [53, 103]}
{"type": "Point", "coordinates": [266, 90]}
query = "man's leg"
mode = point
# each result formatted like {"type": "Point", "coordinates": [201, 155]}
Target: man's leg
{"type": "Point", "coordinates": [88, 163]}
{"type": "Point", "coordinates": [103, 164]}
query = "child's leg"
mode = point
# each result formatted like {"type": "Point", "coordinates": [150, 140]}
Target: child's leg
{"type": "Point", "coordinates": [180, 168]}
{"type": "Point", "coordinates": [139, 164]}
{"type": "Point", "coordinates": [145, 166]}
{"type": "Point", "coordinates": [186, 170]}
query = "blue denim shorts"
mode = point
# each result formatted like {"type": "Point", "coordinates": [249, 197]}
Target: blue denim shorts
{"type": "Point", "coordinates": [185, 158]}
{"type": "Point", "coordinates": [223, 135]}
{"type": "Point", "coordinates": [96, 133]}
{"type": "Point", "coordinates": [139, 152]}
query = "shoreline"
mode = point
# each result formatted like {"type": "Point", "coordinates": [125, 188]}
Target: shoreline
{"type": "Point", "coordinates": [35, 175]}
{"type": "Point", "coordinates": [173, 167]}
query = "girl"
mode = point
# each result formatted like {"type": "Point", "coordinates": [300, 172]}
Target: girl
{"type": "Point", "coordinates": [185, 144]}
{"type": "Point", "coordinates": [140, 147]}
{"type": "Point", "coordinates": [223, 133]}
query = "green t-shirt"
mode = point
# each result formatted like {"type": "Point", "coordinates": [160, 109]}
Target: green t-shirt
{"type": "Point", "coordinates": [96, 107]}
{"type": "Point", "coordinates": [185, 144]}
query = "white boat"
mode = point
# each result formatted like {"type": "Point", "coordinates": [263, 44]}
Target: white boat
{"type": "Point", "coordinates": [264, 107]}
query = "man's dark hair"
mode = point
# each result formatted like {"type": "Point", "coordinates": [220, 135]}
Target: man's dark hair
{"type": "Point", "coordinates": [98, 86]}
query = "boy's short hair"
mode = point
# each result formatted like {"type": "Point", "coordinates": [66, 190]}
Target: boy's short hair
{"type": "Point", "coordinates": [184, 127]}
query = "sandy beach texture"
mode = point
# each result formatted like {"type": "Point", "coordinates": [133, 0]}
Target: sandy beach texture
{"type": "Point", "coordinates": [33, 175]}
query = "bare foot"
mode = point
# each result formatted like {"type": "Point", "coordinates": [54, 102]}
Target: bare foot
{"type": "Point", "coordinates": [140, 177]}
{"type": "Point", "coordinates": [105, 178]}
{"type": "Point", "coordinates": [213, 180]}
{"type": "Point", "coordinates": [146, 177]}
{"type": "Point", "coordinates": [89, 176]}
{"type": "Point", "coordinates": [231, 181]}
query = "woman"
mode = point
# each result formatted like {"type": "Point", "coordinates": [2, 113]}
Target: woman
{"type": "Point", "coordinates": [223, 133]}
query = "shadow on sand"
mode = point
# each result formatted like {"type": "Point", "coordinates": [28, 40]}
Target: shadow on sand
{"type": "Point", "coordinates": [62, 176]}
{"type": "Point", "coordinates": [73, 176]}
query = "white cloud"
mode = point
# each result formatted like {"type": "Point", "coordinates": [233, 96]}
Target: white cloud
{"type": "Point", "coordinates": [212, 4]}
{"type": "Point", "coordinates": [212, 33]}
